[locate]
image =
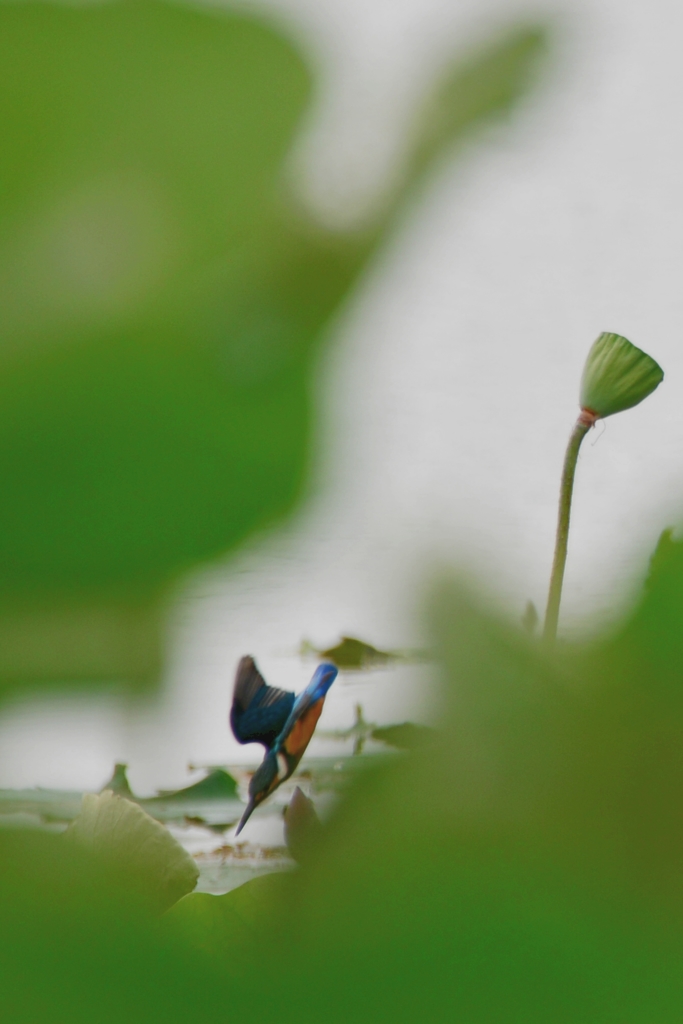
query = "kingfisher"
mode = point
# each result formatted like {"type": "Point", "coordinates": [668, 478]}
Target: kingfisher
{"type": "Point", "coordinates": [283, 723]}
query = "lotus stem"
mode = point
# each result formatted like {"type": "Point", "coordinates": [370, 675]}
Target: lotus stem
{"type": "Point", "coordinates": [552, 613]}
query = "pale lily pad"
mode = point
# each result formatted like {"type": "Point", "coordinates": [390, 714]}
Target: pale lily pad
{"type": "Point", "coordinates": [150, 863]}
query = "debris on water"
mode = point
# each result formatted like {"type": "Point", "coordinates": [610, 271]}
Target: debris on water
{"type": "Point", "coordinates": [244, 852]}
{"type": "Point", "coordinates": [219, 827]}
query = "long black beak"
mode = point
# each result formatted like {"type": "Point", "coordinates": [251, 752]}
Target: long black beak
{"type": "Point", "coordinates": [245, 817]}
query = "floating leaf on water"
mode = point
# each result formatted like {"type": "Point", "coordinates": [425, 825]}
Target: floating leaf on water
{"type": "Point", "coordinates": [351, 653]}
{"type": "Point", "coordinates": [146, 858]}
{"type": "Point", "coordinates": [405, 736]}
{"type": "Point", "coordinates": [217, 785]}
{"type": "Point", "coordinates": [50, 805]}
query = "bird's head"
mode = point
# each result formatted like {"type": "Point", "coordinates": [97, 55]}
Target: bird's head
{"type": "Point", "coordinates": [324, 676]}
{"type": "Point", "coordinates": [265, 779]}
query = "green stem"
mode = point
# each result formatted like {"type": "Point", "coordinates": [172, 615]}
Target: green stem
{"type": "Point", "coordinates": [552, 612]}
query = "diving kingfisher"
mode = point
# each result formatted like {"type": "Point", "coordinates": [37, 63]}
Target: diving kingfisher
{"type": "Point", "coordinates": [283, 723]}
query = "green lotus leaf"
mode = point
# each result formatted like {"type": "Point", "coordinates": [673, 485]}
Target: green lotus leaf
{"type": "Point", "coordinates": [617, 376]}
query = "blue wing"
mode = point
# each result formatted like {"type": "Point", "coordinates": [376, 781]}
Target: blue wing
{"type": "Point", "coordinates": [316, 690]}
{"type": "Point", "coordinates": [259, 712]}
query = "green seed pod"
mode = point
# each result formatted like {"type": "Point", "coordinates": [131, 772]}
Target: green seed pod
{"type": "Point", "coordinates": [617, 375]}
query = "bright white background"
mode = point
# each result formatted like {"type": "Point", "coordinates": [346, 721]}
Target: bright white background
{"type": "Point", "coordinates": [449, 386]}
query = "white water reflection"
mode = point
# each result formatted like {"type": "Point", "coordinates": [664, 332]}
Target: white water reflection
{"type": "Point", "coordinates": [446, 398]}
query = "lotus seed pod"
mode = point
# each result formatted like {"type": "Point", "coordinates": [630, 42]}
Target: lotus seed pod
{"type": "Point", "coordinates": [617, 376]}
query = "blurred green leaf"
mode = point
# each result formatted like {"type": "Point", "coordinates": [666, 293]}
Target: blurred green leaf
{"type": "Point", "coordinates": [523, 864]}
{"type": "Point", "coordinates": [484, 84]}
{"type": "Point", "coordinates": [160, 304]}
{"type": "Point", "coordinates": [651, 644]}
{"type": "Point", "coordinates": [75, 947]}
{"type": "Point", "coordinates": [229, 927]}
{"type": "Point", "coordinates": [149, 415]}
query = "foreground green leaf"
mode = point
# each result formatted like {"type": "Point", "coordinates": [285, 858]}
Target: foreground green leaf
{"type": "Point", "coordinates": [161, 306]}
{"type": "Point", "coordinates": [522, 865]}
{"type": "Point", "coordinates": [229, 927]}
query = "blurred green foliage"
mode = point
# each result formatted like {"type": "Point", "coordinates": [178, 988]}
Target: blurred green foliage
{"type": "Point", "coordinates": [523, 864]}
{"type": "Point", "coordinates": [161, 303]}
{"type": "Point", "coordinates": [161, 300]}
{"type": "Point", "coordinates": [526, 865]}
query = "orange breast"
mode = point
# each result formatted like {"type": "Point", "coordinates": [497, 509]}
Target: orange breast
{"type": "Point", "coordinates": [300, 736]}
